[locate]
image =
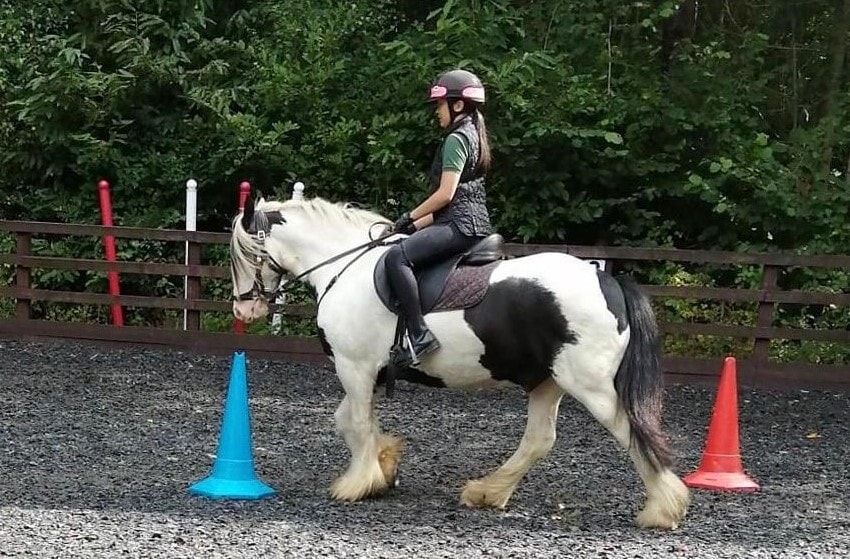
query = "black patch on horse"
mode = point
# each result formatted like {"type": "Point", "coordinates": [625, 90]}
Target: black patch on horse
{"type": "Point", "coordinates": [614, 299]}
{"type": "Point", "coordinates": [522, 328]}
{"type": "Point", "coordinates": [326, 347]}
{"type": "Point", "coordinates": [410, 375]}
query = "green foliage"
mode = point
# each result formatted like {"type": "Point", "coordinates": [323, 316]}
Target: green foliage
{"type": "Point", "coordinates": [611, 122]}
{"type": "Point", "coordinates": [594, 141]}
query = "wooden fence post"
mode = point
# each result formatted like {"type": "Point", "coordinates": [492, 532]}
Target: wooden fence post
{"type": "Point", "coordinates": [765, 317]}
{"type": "Point", "coordinates": [23, 247]}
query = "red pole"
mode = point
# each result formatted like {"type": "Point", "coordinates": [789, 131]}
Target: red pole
{"type": "Point", "coordinates": [244, 192]}
{"type": "Point", "coordinates": [109, 245]}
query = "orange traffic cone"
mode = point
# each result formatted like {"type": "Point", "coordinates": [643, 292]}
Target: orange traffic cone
{"type": "Point", "coordinates": [721, 468]}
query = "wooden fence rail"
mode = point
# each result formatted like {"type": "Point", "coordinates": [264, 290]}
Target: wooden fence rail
{"type": "Point", "coordinates": [755, 369]}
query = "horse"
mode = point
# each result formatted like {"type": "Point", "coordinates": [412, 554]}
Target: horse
{"type": "Point", "coordinates": [549, 322]}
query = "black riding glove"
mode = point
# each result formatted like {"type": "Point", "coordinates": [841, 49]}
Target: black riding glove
{"type": "Point", "coordinates": [404, 225]}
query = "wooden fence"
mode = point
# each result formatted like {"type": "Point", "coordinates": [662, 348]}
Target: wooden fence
{"type": "Point", "coordinates": [756, 368]}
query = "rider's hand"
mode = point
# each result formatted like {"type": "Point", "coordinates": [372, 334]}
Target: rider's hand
{"type": "Point", "coordinates": [404, 225]}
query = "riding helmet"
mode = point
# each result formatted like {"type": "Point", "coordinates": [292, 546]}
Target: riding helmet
{"type": "Point", "coordinates": [457, 84]}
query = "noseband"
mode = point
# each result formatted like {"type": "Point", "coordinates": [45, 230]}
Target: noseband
{"type": "Point", "coordinates": [258, 290]}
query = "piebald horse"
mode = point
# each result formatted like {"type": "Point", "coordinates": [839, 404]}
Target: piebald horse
{"type": "Point", "coordinates": [549, 322]}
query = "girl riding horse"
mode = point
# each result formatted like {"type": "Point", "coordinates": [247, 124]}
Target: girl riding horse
{"type": "Point", "coordinates": [454, 217]}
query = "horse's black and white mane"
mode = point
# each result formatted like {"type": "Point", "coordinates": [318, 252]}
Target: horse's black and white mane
{"type": "Point", "coordinates": [326, 218]}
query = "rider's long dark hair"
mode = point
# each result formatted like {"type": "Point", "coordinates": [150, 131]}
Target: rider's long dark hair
{"type": "Point", "coordinates": [483, 141]}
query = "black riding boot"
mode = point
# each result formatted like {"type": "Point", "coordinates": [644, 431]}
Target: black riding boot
{"type": "Point", "coordinates": [406, 290]}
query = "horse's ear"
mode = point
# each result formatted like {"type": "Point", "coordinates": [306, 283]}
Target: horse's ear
{"type": "Point", "coordinates": [248, 214]}
{"type": "Point", "coordinates": [275, 218]}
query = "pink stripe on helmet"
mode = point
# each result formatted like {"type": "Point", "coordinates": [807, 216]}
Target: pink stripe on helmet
{"type": "Point", "coordinates": [473, 92]}
{"type": "Point", "coordinates": [438, 91]}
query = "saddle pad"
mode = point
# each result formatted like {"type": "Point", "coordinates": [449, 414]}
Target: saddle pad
{"type": "Point", "coordinates": [465, 287]}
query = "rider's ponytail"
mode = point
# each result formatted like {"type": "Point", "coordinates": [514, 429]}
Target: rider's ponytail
{"type": "Point", "coordinates": [483, 142]}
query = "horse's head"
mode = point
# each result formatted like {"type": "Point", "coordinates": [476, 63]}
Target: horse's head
{"type": "Point", "coordinates": [257, 262]}
{"type": "Point", "coordinates": [272, 239]}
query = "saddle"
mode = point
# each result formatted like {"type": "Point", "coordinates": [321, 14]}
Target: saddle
{"type": "Point", "coordinates": [456, 283]}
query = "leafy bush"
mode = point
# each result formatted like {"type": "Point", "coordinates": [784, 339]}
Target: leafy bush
{"type": "Point", "coordinates": [618, 123]}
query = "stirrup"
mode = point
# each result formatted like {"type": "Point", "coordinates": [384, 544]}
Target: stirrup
{"type": "Point", "coordinates": [402, 355]}
{"type": "Point", "coordinates": [416, 357]}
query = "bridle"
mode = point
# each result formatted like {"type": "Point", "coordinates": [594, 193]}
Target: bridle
{"type": "Point", "coordinates": [258, 289]}
{"type": "Point", "coordinates": [262, 226]}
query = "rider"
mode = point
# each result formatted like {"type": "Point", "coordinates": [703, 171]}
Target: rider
{"type": "Point", "coordinates": [454, 217]}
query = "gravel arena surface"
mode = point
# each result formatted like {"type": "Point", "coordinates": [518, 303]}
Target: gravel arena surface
{"type": "Point", "coordinates": [100, 445]}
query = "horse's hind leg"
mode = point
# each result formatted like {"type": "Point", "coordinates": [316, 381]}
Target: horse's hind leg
{"type": "Point", "coordinates": [667, 496]}
{"type": "Point", "coordinates": [374, 456]}
{"type": "Point", "coordinates": [495, 489]}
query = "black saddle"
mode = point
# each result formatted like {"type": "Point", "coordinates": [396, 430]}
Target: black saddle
{"type": "Point", "coordinates": [432, 280]}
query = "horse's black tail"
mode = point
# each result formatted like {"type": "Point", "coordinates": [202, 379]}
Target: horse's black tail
{"type": "Point", "coordinates": [638, 382]}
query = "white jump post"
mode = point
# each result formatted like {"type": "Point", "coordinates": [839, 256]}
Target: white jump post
{"type": "Point", "coordinates": [191, 225]}
{"type": "Point", "coordinates": [297, 194]}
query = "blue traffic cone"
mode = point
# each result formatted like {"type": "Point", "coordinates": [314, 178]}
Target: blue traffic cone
{"type": "Point", "coordinates": [233, 475]}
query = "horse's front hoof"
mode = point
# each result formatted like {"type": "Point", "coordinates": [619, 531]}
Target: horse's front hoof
{"type": "Point", "coordinates": [350, 489]}
{"type": "Point", "coordinates": [389, 456]}
{"type": "Point", "coordinates": [655, 519]}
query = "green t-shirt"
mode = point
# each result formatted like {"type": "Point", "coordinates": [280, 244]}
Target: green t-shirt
{"type": "Point", "coordinates": [455, 153]}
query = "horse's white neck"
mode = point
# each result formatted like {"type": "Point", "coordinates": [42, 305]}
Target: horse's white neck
{"type": "Point", "coordinates": [309, 252]}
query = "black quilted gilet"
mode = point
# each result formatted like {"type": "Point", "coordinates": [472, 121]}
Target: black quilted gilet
{"type": "Point", "coordinates": [468, 208]}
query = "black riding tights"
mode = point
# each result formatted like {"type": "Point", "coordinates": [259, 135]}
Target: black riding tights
{"type": "Point", "coordinates": [427, 246]}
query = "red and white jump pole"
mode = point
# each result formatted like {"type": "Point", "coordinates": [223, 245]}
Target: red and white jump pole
{"type": "Point", "coordinates": [244, 192]}
{"type": "Point", "coordinates": [109, 246]}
